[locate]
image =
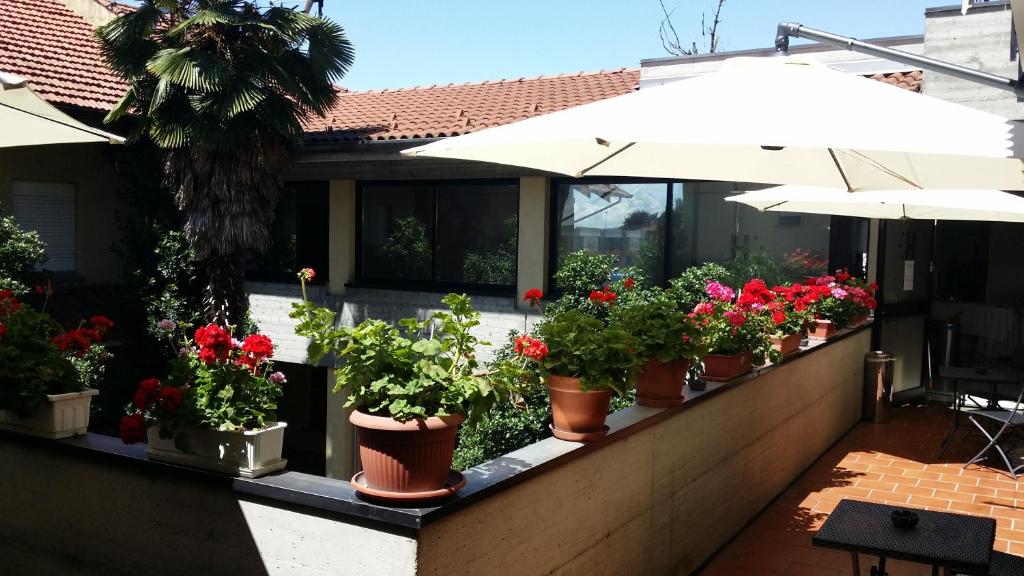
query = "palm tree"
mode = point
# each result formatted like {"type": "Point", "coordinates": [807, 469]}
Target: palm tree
{"type": "Point", "coordinates": [223, 87]}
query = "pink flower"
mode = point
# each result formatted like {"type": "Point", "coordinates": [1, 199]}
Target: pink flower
{"type": "Point", "coordinates": [736, 318]}
{"type": "Point", "coordinates": [719, 291]}
{"type": "Point", "coordinates": [839, 293]}
{"type": "Point", "coordinates": [166, 325]}
{"type": "Point", "coordinates": [306, 274]}
{"type": "Point", "coordinates": [277, 378]}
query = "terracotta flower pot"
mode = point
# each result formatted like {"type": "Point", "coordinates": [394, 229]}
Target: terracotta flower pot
{"type": "Point", "coordinates": [576, 415]}
{"type": "Point", "coordinates": [660, 384]}
{"type": "Point", "coordinates": [413, 457]}
{"type": "Point", "coordinates": [786, 345]}
{"type": "Point", "coordinates": [859, 319]}
{"type": "Point", "coordinates": [725, 367]}
{"type": "Point", "coordinates": [821, 330]}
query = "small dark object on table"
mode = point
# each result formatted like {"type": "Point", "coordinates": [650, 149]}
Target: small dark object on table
{"type": "Point", "coordinates": [905, 519]}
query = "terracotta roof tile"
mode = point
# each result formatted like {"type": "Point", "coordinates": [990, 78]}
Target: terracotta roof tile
{"type": "Point", "coordinates": [54, 48]}
{"type": "Point", "coordinates": [453, 109]}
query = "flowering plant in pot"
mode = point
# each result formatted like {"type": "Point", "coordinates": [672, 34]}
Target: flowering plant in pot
{"type": "Point", "coordinates": [409, 388]}
{"type": "Point", "coordinates": [47, 371]}
{"type": "Point", "coordinates": [736, 335]}
{"type": "Point", "coordinates": [216, 407]}
{"type": "Point", "coordinates": [861, 294]}
{"type": "Point", "coordinates": [666, 343]}
{"type": "Point", "coordinates": [833, 304]}
{"type": "Point", "coordinates": [583, 360]}
{"type": "Point", "coordinates": [789, 311]}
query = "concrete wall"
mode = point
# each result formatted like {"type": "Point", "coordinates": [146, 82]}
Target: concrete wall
{"type": "Point", "coordinates": [663, 500]}
{"type": "Point", "coordinates": [979, 40]}
{"type": "Point", "coordinates": [99, 519]}
{"type": "Point", "coordinates": [96, 203]}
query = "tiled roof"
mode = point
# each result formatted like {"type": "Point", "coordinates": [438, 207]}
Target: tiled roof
{"type": "Point", "coordinates": [452, 109]}
{"type": "Point", "coordinates": [54, 48]}
{"type": "Point", "coordinates": [909, 80]}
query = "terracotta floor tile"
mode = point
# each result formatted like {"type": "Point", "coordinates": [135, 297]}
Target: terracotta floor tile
{"type": "Point", "coordinates": [892, 463]}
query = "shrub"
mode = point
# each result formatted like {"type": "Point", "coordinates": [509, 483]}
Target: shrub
{"type": "Point", "coordinates": [688, 289]}
{"type": "Point", "coordinates": [21, 251]}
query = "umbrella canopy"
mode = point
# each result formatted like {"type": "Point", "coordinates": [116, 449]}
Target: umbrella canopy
{"type": "Point", "coordinates": [990, 205]}
{"type": "Point", "coordinates": [28, 120]}
{"type": "Point", "coordinates": [783, 120]}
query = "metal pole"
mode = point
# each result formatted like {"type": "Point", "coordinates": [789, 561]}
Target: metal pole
{"type": "Point", "coordinates": [786, 30]}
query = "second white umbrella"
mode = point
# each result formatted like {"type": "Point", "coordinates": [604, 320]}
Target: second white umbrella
{"type": "Point", "coordinates": [988, 205]}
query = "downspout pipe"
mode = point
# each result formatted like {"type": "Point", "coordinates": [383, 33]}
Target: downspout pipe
{"type": "Point", "coordinates": [787, 30]}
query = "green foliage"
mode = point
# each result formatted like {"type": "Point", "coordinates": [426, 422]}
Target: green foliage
{"type": "Point", "coordinates": [416, 370]}
{"type": "Point", "coordinates": [688, 289]}
{"type": "Point", "coordinates": [406, 250]}
{"type": "Point", "coordinates": [747, 264]}
{"type": "Point", "coordinates": [724, 328]}
{"type": "Point", "coordinates": [21, 251]}
{"type": "Point", "coordinates": [497, 265]}
{"type": "Point", "coordinates": [661, 330]}
{"type": "Point", "coordinates": [603, 355]}
{"type": "Point", "coordinates": [580, 272]}
{"type": "Point", "coordinates": [224, 395]}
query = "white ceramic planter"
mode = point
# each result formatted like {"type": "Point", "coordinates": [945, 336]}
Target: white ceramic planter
{"type": "Point", "coordinates": [62, 416]}
{"type": "Point", "coordinates": [248, 454]}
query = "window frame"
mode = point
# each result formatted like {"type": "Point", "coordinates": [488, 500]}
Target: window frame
{"type": "Point", "coordinates": [555, 225]}
{"type": "Point", "coordinates": [361, 280]}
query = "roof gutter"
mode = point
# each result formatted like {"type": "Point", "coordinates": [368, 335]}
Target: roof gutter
{"type": "Point", "coordinates": [786, 30]}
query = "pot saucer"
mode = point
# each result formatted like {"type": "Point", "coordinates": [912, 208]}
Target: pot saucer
{"type": "Point", "coordinates": [578, 436]}
{"type": "Point", "coordinates": [659, 402]}
{"type": "Point", "coordinates": [455, 481]}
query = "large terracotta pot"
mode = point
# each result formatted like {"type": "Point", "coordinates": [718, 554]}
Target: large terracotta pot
{"type": "Point", "coordinates": [576, 415]}
{"type": "Point", "coordinates": [660, 384]}
{"type": "Point", "coordinates": [786, 345]}
{"type": "Point", "coordinates": [725, 367]}
{"type": "Point", "coordinates": [859, 319]}
{"type": "Point", "coordinates": [821, 330]}
{"type": "Point", "coordinates": [404, 457]}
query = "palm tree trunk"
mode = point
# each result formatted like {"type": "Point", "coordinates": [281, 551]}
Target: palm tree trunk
{"type": "Point", "coordinates": [226, 302]}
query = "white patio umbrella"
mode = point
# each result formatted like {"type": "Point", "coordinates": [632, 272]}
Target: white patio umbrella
{"type": "Point", "coordinates": [783, 120]}
{"type": "Point", "coordinates": [991, 205]}
{"type": "Point", "coordinates": [28, 120]}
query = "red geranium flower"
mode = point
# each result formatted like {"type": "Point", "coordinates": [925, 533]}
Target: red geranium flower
{"type": "Point", "coordinates": [530, 347]}
{"type": "Point", "coordinates": [77, 341]}
{"type": "Point", "coordinates": [101, 323]}
{"type": "Point", "coordinates": [629, 283]}
{"type": "Point", "coordinates": [146, 393]}
{"type": "Point", "coordinates": [132, 429]}
{"type": "Point", "coordinates": [256, 349]}
{"type": "Point", "coordinates": [603, 296]}
{"type": "Point", "coordinates": [214, 343]}
{"type": "Point", "coordinates": [307, 274]}
{"type": "Point", "coordinates": [8, 303]}
{"type": "Point", "coordinates": [170, 399]}
{"type": "Point", "coordinates": [778, 317]}
{"type": "Point", "coordinates": [533, 296]}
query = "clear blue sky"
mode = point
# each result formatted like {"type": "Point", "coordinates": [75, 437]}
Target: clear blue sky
{"type": "Point", "coordinates": [403, 43]}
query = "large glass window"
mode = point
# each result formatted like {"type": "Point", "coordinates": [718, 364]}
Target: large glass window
{"type": "Point", "coordinates": [299, 235]}
{"type": "Point", "coordinates": [666, 227]}
{"type": "Point", "coordinates": [445, 233]}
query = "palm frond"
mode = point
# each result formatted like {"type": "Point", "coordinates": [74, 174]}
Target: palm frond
{"type": "Point", "coordinates": [190, 68]}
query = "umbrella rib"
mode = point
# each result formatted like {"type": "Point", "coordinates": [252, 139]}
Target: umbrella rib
{"type": "Point", "coordinates": [603, 160]}
{"type": "Point", "coordinates": [892, 173]}
{"type": "Point", "coordinates": [839, 167]}
{"type": "Point", "coordinates": [776, 205]}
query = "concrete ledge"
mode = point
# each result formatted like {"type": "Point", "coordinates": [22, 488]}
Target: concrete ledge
{"type": "Point", "coordinates": [688, 477]}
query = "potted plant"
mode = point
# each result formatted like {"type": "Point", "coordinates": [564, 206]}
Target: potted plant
{"type": "Point", "coordinates": [791, 315]}
{"type": "Point", "coordinates": [832, 307]}
{"type": "Point", "coordinates": [47, 371]}
{"type": "Point", "coordinates": [735, 336]}
{"type": "Point", "coordinates": [409, 388]}
{"type": "Point", "coordinates": [585, 359]}
{"type": "Point", "coordinates": [861, 294]}
{"type": "Point", "coordinates": [215, 409]}
{"type": "Point", "coordinates": [665, 342]}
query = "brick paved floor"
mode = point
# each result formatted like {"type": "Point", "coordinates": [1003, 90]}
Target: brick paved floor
{"type": "Point", "coordinates": [889, 463]}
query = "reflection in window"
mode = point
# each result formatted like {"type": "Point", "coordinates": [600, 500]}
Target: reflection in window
{"type": "Point", "coordinates": [627, 220]}
{"type": "Point", "coordinates": [446, 233]}
{"type": "Point", "coordinates": [299, 235]}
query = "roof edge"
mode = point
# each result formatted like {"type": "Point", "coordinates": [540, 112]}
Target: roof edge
{"type": "Point", "coordinates": [623, 70]}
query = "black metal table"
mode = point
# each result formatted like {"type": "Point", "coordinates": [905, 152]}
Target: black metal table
{"type": "Point", "coordinates": [957, 375]}
{"type": "Point", "coordinates": [941, 539]}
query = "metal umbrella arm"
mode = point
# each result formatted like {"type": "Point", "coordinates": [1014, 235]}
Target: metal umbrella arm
{"type": "Point", "coordinates": [787, 30]}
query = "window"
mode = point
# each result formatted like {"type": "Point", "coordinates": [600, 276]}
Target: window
{"type": "Point", "coordinates": [442, 234]}
{"type": "Point", "coordinates": [299, 235]}
{"type": "Point", "coordinates": [665, 227]}
{"type": "Point", "coordinates": [49, 209]}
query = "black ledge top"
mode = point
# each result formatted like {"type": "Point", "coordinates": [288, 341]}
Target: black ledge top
{"type": "Point", "coordinates": [337, 497]}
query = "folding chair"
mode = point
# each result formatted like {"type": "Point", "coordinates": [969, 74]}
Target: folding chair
{"type": "Point", "coordinates": [1009, 419]}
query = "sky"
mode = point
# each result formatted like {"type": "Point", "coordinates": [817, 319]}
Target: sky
{"type": "Point", "coordinates": [404, 43]}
